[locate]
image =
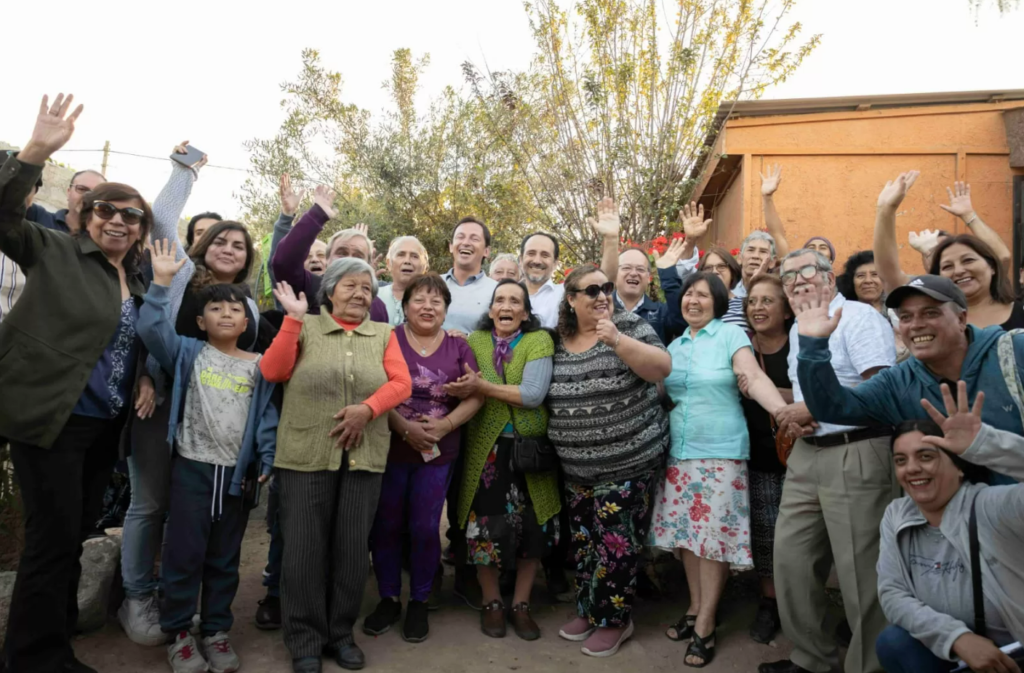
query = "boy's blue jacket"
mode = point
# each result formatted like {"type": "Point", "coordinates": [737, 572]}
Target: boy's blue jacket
{"type": "Point", "coordinates": [177, 356]}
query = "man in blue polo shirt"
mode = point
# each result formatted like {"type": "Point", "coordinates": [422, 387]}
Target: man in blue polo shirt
{"type": "Point", "coordinates": [469, 285]}
{"type": "Point", "coordinates": [66, 220]}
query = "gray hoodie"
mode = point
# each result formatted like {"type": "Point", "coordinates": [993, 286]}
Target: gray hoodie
{"type": "Point", "coordinates": [1000, 512]}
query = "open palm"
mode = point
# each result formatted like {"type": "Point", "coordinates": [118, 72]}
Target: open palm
{"type": "Point", "coordinates": [607, 223]}
{"type": "Point", "coordinates": [53, 129]}
{"type": "Point", "coordinates": [295, 307]}
{"type": "Point", "coordinates": [810, 304]}
{"type": "Point", "coordinates": [963, 424]}
{"type": "Point", "coordinates": [694, 224]}
{"type": "Point", "coordinates": [894, 191]}
{"type": "Point", "coordinates": [162, 257]}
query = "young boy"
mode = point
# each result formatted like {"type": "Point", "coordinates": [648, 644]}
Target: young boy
{"type": "Point", "coordinates": [223, 426]}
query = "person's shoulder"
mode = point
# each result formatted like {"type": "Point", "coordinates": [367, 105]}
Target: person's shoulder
{"type": "Point", "coordinates": [539, 339]}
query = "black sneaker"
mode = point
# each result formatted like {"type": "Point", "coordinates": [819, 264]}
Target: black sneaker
{"type": "Point", "coordinates": [268, 614]}
{"type": "Point", "coordinates": [388, 612]}
{"type": "Point", "coordinates": [766, 622]}
{"type": "Point", "coordinates": [416, 627]}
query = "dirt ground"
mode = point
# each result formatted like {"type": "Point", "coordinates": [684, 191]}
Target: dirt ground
{"type": "Point", "coordinates": [456, 644]}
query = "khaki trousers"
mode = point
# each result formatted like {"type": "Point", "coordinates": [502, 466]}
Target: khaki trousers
{"type": "Point", "coordinates": [832, 504]}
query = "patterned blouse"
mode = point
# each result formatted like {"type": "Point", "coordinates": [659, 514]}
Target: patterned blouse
{"type": "Point", "coordinates": [606, 422]}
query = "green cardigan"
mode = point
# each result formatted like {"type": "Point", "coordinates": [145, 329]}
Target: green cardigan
{"type": "Point", "coordinates": [488, 423]}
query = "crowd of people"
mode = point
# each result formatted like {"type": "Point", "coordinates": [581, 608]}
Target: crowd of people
{"type": "Point", "coordinates": [769, 414]}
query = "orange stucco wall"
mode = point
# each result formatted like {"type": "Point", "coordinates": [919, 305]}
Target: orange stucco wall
{"type": "Point", "coordinates": [835, 164]}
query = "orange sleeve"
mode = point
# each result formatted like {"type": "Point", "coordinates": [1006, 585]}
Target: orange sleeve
{"type": "Point", "coordinates": [399, 385]}
{"type": "Point", "coordinates": [278, 362]}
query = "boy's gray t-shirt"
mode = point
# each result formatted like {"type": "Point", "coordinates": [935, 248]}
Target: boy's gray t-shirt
{"type": "Point", "coordinates": [216, 407]}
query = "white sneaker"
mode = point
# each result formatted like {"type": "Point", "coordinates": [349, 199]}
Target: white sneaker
{"type": "Point", "coordinates": [140, 619]}
{"type": "Point", "coordinates": [220, 653]}
{"type": "Point", "coordinates": [183, 655]}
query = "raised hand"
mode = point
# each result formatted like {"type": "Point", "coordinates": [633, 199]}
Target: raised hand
{"type": "Point", "coordinates": [324, 196]}
{"type": "Point", "coordinates": [54, 128]}
{"type": "Point", "coordinates": [290, 199]}
{"type": "Point", "coordinates": [671, 256]}
{"type": "Point", "coordinates": [770, 183]}
{"type": "Point", "coordinates": [810, 304]}
{"type": "Point", "coordinates": [295, 307]}
{"type": "Point", "coordinates": [959, 201]}
{"type": "Point", "coordinates": [165, 266]}
{"type": "Point", "coordinates": [925, 241]}
{"type": "Point", "coordinates": [183, 149]}
{"type": "Point", "coordinates": [892, 194]}
{"type": "Point", "coordinates": [607, 332]}
{"type": "Point", "coordinates": [607, 223]}
{"type": "Point", "coordinates": [694, 224]}
{"type": "Point", "coordinates": [963, 424]}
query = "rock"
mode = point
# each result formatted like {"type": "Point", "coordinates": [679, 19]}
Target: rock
{"type": "Point", "coordinates": [100, 561]}
{"type": "Point", "coordinates": [6, 589]}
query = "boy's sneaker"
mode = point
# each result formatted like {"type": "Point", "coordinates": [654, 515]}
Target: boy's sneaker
{"type": "Point", "coordinates": [183, 655]}
{"type": "Point", "coordinates": [221, 655]}
{"type": "Point", "coordinates": [140, 619]}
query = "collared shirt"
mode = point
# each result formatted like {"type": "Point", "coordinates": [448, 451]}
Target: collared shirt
{"type": "Point", "coordinates": [545, 303]}
{"type": "Point", "coordinates": [469, 302]}
{"type": "Point", "coordinates": [654, 312]}
{"type": "Point", "coordinates": [862, 341]}
{"type": "Point", "coordinates": [707, 421]}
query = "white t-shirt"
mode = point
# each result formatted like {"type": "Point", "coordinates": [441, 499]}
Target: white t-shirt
{"type": "Point", "coordinates": [863, 341]}
{"type": "Point", "coordinates": [546, 302]}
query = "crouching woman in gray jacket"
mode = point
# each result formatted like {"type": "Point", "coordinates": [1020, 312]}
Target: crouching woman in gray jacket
{"type": "Point", "coordinates": [924, 566]}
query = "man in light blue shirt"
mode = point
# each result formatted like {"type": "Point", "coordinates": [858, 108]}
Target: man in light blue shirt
{"type": "Point", "coordinates": [470, 287]}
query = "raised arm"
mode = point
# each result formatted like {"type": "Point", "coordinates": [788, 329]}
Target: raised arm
{"type": "Point", "coordinates": [695, 227]}
{"type": "Point", "coordinates": [607, 227]}
{"type": "Point", "coordinates": [156, 327]}
{"type": "Point", "coordinates": [887, 254]}
{"type": "Point", "coordinates": [290, 200]}
{"type": "Point", "coordinates": [769, 184]}
{"type": "Point", "coordinates": [21, 240]}
{"type": "Point", "coordinates": [290, 257]}
{"type": "Point", "coordinates": [672, 285]}
{"type": "Point", "coordinates": [961, 206]}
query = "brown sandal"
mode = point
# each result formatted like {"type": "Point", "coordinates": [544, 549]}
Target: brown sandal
{"type": "Point", "coordinates": [523, 623]}
{"type": "Point", "coordinates": [492, 620]}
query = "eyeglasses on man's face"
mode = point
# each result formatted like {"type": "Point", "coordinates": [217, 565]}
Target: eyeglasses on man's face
{"type": "Point", "coordinates": [806, 272]}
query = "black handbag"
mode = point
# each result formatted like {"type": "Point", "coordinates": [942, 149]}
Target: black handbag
{"type": "Point", "coordinates": [533, 454]}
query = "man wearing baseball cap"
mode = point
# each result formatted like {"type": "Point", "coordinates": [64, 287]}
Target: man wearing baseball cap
{"type": "Point", "coordinates": [943, 349]}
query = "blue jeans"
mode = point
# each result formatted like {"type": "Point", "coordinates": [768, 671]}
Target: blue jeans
{"type": "Point", "coordinates": [900, 652]}
{"type": "Point", "coordinates": [149, 470]}
{"type": "Point", "coordinates": [272, 572]}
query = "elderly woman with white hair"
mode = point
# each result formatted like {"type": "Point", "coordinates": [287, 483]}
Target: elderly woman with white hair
{"type": "Point", "coordinates": [406, 259]}
{"type": "Point", "coordinates": [289, 261]}
{"type": "Point", "coordinates": [342, 374]}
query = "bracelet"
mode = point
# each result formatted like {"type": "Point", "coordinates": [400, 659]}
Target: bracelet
{"type": "Point", "coordinates": [968, 222]}
{"type": "Point", "coordinates": [617, 337]}
{"type": "Point", "coordinates": [450, 423]}
{"type": "Point", "coordinates": [405, 437]}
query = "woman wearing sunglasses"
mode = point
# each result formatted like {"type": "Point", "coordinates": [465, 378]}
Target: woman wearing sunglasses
{"type": "Point", "coordinates": [68, 354]}
{"type": "Point", "coordinates": [611, 435]}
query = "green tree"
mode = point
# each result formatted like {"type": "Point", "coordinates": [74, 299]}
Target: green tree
{"type": "Point", "coordinates": [619, 102]}
{"type": "Point", "coordinates": [403, 173]}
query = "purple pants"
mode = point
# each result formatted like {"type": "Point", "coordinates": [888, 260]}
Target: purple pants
{"type": "Point", "coordinates": [411, 499]}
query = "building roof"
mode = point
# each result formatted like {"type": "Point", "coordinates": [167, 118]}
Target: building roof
{"type": "Point", "coordinates": [795, 106]}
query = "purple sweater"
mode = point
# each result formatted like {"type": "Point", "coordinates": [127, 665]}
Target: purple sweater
{"type": "Point", "coordinates": [290, 258]}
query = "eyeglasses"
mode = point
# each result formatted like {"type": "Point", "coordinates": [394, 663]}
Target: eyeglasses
{"type": "Point", "coordinates": [593, 290]}
{"type": "Point", "coordinates": [631, 269]}
{"type": "Point", "coordinates": [106, 211]}
{"type": "Point", "coordinates": [717, 268]}
{"type": "Point", "coordinates": [807, 272]}
{"type": "Point", "coordinates": [81, 189]}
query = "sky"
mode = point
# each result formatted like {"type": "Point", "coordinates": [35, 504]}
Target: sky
{"type": "Point", "coordinates": [210, 72]}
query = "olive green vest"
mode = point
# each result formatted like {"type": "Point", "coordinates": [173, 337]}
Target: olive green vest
{"type": "Point", "coordinates": [335, 368]}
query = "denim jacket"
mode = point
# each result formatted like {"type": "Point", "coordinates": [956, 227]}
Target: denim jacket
{"type": "Point", "coordinates": [177, 356]}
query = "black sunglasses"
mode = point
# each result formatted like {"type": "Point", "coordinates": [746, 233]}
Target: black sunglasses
{"type": "Point", "coordinates": [593, 290]}
{"type": "Point", "coordinates": [106, 211]}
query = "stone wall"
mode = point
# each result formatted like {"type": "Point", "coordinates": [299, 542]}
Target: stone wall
{"type": "Point", "coordinates": [56, 178]}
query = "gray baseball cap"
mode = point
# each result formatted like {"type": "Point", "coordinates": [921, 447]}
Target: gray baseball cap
{"type": "Point", "coordinates": [938, 288]}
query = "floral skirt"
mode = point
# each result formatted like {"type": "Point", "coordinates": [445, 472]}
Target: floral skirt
{"type": "Point", "coordinates": [703, 506]}
{"type": "Point", "coordinates": [502, 524]}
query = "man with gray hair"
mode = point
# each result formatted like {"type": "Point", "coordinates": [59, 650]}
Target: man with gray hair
{"type": "Point", "coordinates": [838, 483]}
{"type": "Point", "coordinates": [756, 248]}
{"type": "Point", "coordinates": [289, 259]}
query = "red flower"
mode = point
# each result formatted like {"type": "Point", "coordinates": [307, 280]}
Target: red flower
{"type": "Point", "coordinates": [734, 252]}
{"type": "Point", "coordinates": [700, 255]}
{"type": "Point", "coordinates": [677, 235]}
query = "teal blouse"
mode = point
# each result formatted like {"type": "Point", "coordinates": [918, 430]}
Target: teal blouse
{"type": "Point", "coordinates": [709, 423]}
